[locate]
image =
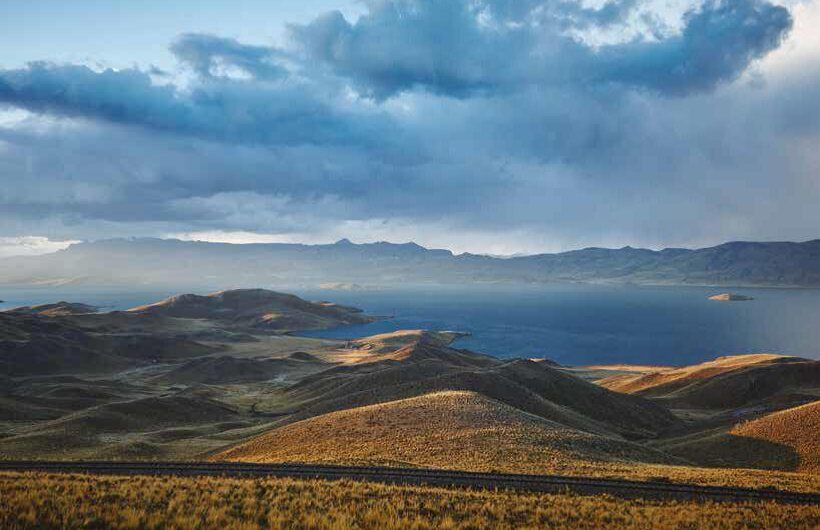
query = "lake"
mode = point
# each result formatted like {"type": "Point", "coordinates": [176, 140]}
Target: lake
{"type": "Point", "coordinates": [571, 324]}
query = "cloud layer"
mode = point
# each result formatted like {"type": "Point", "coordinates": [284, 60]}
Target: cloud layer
{"type": "Point", "coordinates": [459, 48]}
{"type": "Point", "coordinates": [482, 125]}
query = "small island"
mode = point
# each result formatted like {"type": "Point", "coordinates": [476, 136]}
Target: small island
{"type": "Point", "coordinates": [730, 297]}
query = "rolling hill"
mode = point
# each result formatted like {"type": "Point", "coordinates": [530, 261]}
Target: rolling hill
{"type": "Point", "coordinates": [57, 309]}
{"type": "Point", "coordinates": [787, 440]}
{"type": "Point", "coordinates": [119, 429]}
{"type": "Point", "coordinates": [231, 370]}
{"type": "Point", "coordinates": [425, 363]}
{"type": "Point", "coordinates": [256, 308]}
{"type": "Point", "coordinates": [448, 429]}
{"type": "Point", "coordinates": [727, 382]}
{"type": "Point", "coordinates": [73, 338]}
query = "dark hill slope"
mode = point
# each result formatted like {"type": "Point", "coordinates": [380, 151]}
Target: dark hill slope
{"type": "Point", "coordinates": [70, 351]}
{"type": "Point", "coordinates": [427, 365]}
{"type": "Point", "coordinates": [227, 370]}
{"type": "Point", "coordinates": [34, 344]}
{"type": "Point", "coordinates": [57, 309]}
{"type": "Point", "coordinates": [256, 308]}
{"type": "Point", "coordinates": [89, 430]}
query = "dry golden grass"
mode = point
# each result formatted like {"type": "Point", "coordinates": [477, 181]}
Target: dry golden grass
{"type": "Point", "coordinates": [786, 440]}
{"type": "Point", "coordinates": [44, 502]}
{"type": "Point", "coordinates": [278, 346]}
{"type": "Point", "coordinates": [388, 346]}
{"type": "Point", "coordinates": [443, 429]}
{"type": "Point", "coordinates": [464, 430]}
{"type": "Point", "coordinates": [632, 368]}
{"type": "Point", "coordinates": [798, 428]}
{"type": "Point", "coordinates": [641, 381]}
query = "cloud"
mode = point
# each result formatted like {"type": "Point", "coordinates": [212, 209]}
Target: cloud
{"type": "Point", "coordinates": [30, 246]}
{"type": "Point", "coordinates": [718, 42]}
{"type": "Point", "coordinates": [460, 48]}
{"type": "Point", "coordinates": [492, 124]}
{"type": "Point", "coordinates": [288, 112]}
{"type": "Point", "coordinates": [210, 56]}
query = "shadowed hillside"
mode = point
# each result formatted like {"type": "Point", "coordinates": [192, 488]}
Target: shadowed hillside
{"type": "Point", "coordinates": [256, 308]}
{"type": "Point", "coordinates": [116, 430]}
{"type": "Point", "coordinates": [58, 309]}
{"type": "Point", "coordinates": [787, 440]}
{"type": "Point", "coordinates": [71, 338]}
{"type": "Point", "coordinates": [754, 411]}
{"type": "Point", "coordinates": [155, 381]}
{"type": "Point", "coordinates": [426, 364]}
{"type": "Point", "coordinates": [225, 369]}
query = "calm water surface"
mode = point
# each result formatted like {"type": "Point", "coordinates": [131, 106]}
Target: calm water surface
{"type": "Point", "coordinates": [572, 324]}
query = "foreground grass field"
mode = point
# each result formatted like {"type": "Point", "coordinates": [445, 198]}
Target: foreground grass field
{"type": "Point", "coordinates": [42, 501]}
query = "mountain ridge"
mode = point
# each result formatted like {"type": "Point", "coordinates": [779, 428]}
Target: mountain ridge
{"type": "Point", "coordinates": [150, 261]}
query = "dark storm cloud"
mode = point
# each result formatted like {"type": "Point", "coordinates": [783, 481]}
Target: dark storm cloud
{"type": "Point", "coordinates": [464, 116]}
{"type": "Point", "coordinates": [216, 109]}
{"type": "Point", "coordinates": [450, 48]}
{"type": "Point", "coordinates": [718, 42]}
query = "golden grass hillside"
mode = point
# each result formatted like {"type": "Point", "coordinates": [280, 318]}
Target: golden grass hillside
{"type": "Point", "coordinates": [786, 440]}
{"type": "Point", "coordinates": [427, 365]}
{"type": "Point", "coordinates": [387, 346]}
{"type": "Point", "coordinates": [46, 502]}
{"type": "Point", "coordinates": [774, 381]}
{"type": "Point", "coordinates": [462, 430]}
{"type": "Point", "coordinates": [468, 431]}
{"type": "Point", "coordinates": [666, 379]}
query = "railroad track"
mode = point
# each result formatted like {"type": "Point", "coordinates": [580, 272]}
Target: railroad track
{"type": "Point", "coordinates": [420, 476]}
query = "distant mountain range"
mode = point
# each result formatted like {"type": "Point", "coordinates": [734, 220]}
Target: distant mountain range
{"type": "Point", "coordinates": [343, 264]}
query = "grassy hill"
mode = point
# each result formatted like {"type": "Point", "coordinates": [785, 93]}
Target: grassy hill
{"type": "Point", "coordinates": [117, 429]}
{"type": "Point", "coordinates": [451, 429]}
{"type": "Point", "coordinates": [425, 363]}
{"type": "Point", "coordinates": [663, 380]}
{"type": "Point", "coordinates": [256, 308]}
{"type": "Point", "coordinates": [727, 382]}
{"type": "Point", "coordinates": [231, 370]}
{"type": "Point", "coordinates": [787, 440]}
{"type": "Point", "coordinates": [58, 309]}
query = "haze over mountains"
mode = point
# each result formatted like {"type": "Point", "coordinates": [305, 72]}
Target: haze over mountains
{"type": "Point", "coordinates": [189, 263]}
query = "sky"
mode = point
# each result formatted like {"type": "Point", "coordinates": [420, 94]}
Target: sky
{"type": "Point", "coordinates": [489, 126]}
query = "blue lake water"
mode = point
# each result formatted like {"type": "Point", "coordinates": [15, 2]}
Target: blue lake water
{"type": "Point", "coordinates": [572, 324]}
